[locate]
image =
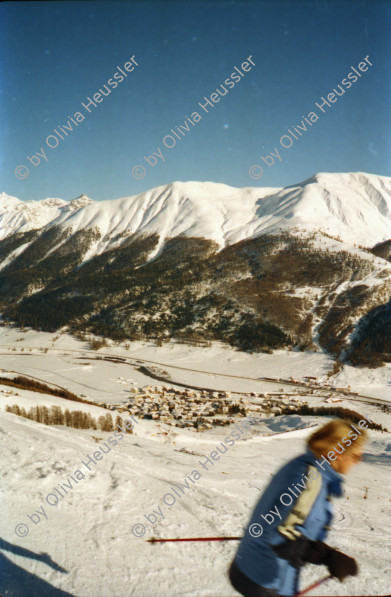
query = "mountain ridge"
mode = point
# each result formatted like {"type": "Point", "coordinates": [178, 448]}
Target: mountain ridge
{"type": "Point", "coordinates": [305, 266]}
{"type": "Point", "coordinates": [227, 214]}
{"type": "Point", "coordinates": [24, 216]}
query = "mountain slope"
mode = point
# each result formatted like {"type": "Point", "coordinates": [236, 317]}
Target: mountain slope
{"type": "Point", "coordinates": [23, 216]}
{"type": "Point", "coordinates": [355, 206]}
{"type": "Point", "coordinates": [258, 268]}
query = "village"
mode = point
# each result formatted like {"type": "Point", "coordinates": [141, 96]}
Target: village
{"type": "Point", "coordinates": [205, 409]}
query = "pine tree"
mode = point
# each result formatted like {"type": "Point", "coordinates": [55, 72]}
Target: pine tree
{"type": "Point", "coordinates": [91, 422]}
{"type": "Point", "coordinates": [106, 423]}
{"type": "Point", "coordinates": [68, 418]}
{"type": "Point", "coordinates": [45, 415]}
{"type": "Point", "coordinates": [109, 422]}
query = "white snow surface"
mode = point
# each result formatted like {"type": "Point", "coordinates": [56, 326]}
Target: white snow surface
{"type": "Point", "coordinates": [88, 533]}
{"type": "Point", "coordinates": [354, 206]}
{"type": "Point", "coordinates": [22, 216]}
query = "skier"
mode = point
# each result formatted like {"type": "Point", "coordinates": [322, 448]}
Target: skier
{"type": "Point", "coordinates": [291, 519]}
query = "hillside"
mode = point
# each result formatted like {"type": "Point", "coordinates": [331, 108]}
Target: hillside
{"type": "Point", "coordinates": [85, 546]}
{"type": "Point", "coordinates": [259, 268]}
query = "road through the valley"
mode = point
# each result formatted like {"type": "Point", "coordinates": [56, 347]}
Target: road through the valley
{"type": "Point", "coordinates": [135, 362]}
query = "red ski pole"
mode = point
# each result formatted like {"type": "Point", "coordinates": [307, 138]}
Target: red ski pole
{"type": "Point", "coordinates": [154, 540]}
{"type": "Point", "coordinates": [316, 584]}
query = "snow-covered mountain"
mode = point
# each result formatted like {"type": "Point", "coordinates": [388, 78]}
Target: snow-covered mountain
{"type": "Point", "coordinates": [191, 261]}
{"type": "Point", "coordinates": [22, 216]}
{"type": "Point", "coordinates": [354, 206]}
{"type": "Point", "coordinates": [260, 268]}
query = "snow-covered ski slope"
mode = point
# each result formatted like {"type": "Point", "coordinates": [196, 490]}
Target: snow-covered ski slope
{"type": "Point", "coordinates": [89, 533]}
{"type": "Point", "coordinates": [87, 536]}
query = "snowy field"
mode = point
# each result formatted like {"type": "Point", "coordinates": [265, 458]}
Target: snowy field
{"type": "Point", "coordinates": [84, 545]}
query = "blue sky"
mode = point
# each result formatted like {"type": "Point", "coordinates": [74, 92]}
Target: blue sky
{"type": "Point", "coordinates": [59, 53]}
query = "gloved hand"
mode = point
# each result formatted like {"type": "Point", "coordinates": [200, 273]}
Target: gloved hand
{"type": "Point", "coordinates": [293, 551]}
{"type": "Point", "coordinates": [339, 564]}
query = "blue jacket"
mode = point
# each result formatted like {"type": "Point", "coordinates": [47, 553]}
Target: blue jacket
{"type": "Point", "coordinates": [280, 516]}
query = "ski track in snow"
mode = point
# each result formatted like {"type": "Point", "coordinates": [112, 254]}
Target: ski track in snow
{"type": "Point", "coordinates": [89, 532]}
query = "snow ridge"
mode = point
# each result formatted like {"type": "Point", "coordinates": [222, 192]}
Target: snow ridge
{"type": "Point", "coordinates": [353, 206]}
{"type": "Point", "coordinates": [23, 216]}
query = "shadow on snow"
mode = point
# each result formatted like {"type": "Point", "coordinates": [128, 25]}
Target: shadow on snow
{"type": "Point", "coordinates": [17, 582]}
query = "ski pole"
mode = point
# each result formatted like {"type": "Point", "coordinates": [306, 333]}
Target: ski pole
{"type": "Point", "coordinates": [316, 584]}
{"type": "Point", "coordinates": [154, 540]}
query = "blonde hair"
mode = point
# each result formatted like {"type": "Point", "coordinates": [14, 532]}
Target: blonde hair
{"type": "Point", "coordinates": [324, 439]}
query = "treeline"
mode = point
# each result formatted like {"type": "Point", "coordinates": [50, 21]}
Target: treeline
{"type": "Point", "coordinates": [24, 383]}
{"type": "Point", "coordinates": [327, 411]}
{"type": "Point", "coordinates": [76, 418]}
